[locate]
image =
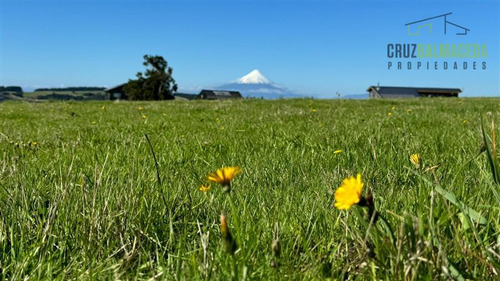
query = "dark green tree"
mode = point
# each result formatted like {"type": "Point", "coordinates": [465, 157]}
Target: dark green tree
{"type": "Point", "coordinates": [156, 83]}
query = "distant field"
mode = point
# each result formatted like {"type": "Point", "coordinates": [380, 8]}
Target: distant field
{"type": "Point", "coordinates": [80, 198]}
{"type": "Point", "coordinates": [66, 95]}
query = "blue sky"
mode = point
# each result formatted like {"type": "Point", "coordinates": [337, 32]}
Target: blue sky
{"type": "Point", "coordinates": [312, 47]}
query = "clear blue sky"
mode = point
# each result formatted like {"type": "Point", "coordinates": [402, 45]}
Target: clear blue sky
{"type": "Point", "coordinates": [312, 47]}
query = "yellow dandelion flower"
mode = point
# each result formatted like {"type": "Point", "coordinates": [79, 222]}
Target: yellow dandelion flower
{"type": "Point", "coordinates": [337, 151]}
{"type": "Point", "coordinates": [408, 110]}
{"type": "Point", "coordinates": [389, 113]}
{"type": "Point", "coordinates": [349, 193]}
{"type": "Point", "coordinates": [314, 110]}
{"type": "Point", "coordinates": [94, 122]}
{"type": "Point", "coordinates": [140, 108]}
{"type": "Point", "coordinates": [224, 176]}
{"type": "Point", "coordinates": [393, 108]}
{"type": "Point", "coordinates": [205, 188]}
{"type": "Point", "coordinates": [464, 122]}
{"type": "Point", "coordinates": [415, 159]}
{"type": "Point", "coordinates": [34, 143]}
{"type": "Point", "coordinates": [144, 116]}
{"type": "Point", "coordinates": [103, 107]}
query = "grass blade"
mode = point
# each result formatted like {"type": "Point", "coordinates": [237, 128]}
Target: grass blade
{"type": "Point", "coordinates": [491, 160]}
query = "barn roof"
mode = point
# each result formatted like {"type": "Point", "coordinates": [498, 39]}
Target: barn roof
{"type": "Point", "coordinates": [117, 88]}
{"type": "Point", "coordinates": [404, 92]}
{"type": "Point", "coordinates": [219, 94]}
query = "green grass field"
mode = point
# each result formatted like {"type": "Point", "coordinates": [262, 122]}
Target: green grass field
{"type": "Point", "coordinates": [80, 198]}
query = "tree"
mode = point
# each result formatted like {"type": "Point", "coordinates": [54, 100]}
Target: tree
{"type": "Point", "coordinates": [156, 83]}
{"type": "Point", "coordinates": [15, 90]}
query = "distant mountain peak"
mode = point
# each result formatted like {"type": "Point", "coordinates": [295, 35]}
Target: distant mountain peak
{"type": "Point", "coordinates": [254, 77]}
{"type": "Point", "coordinates": [255, 85]}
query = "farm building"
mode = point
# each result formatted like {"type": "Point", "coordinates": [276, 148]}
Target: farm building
{"type": "Point", "coordinates": [116, 93]}
{"type": "Point", "coordinates": [410, 92]}
{"type": "Point", "coordinates": [218, 95]}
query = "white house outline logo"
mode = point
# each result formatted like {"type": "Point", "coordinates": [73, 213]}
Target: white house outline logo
{"type": "Point", "coordinates": [425, 23]}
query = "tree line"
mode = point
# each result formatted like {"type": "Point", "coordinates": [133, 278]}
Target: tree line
{"type": "Point", "coordinates": [15, 89]}
{"type": "Point", "coordinates": [70, 89]}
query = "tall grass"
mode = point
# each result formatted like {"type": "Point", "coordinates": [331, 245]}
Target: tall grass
{"type": "Point", "coordinates": [80, 198]}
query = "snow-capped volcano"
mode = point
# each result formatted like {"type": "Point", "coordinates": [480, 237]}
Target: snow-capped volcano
{"type": "Point", "coordinates": [254, 77]}
{"type": "Point", "coordinates": [256, 85]}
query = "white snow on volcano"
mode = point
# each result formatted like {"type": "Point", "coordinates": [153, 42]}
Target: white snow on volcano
{"type": "Point", "coordinates": [254, 77]}
{"type": "Point", "coordinates": [255, 85]}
